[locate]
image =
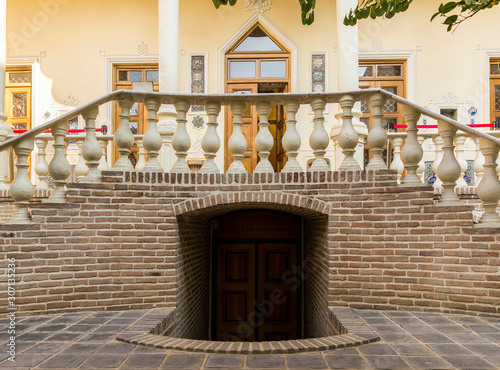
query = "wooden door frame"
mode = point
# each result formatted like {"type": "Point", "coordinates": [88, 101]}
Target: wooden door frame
{"type": "Point", "coordinates": [115, 120]}
{"type": "Point", "coordinates": [10, 87]}
{"type": "Point", "coordinates": [245, 241]}
{"type": "Point", "coordinates": [257, 56]}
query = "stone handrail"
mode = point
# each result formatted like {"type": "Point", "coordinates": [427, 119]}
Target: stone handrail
{"type": "Point", "coordinates": [409, 155]}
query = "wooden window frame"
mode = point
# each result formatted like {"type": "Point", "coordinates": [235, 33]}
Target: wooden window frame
{"type": "Point", "coordinates": [494, 81]}
{"type": "Point", "coordinates": [14, 88]}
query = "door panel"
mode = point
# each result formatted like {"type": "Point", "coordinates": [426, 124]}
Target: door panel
{"type": "Point", "coordinates": [235, 291]}
{"type": "Point", "coordinates": [256, 291]}
{"type": "Point", "coordinates": [277, 293]}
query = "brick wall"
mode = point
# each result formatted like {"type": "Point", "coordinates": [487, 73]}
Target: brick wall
{"type": "Point", "coordinates": [317, 320]}
{"type": "Point", "coordinates": [193, 279]}
{"type": "Point", "coordinates": [116, 245]}
{"type": "Point", "coordinates": [7, 207]}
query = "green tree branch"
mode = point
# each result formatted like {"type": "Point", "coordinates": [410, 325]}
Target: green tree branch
{"type": "Point", "coordinates": [454, 12]}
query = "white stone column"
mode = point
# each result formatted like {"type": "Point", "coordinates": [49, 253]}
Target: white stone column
{"type": "Point", "coordinates": [347, 79]}
{"type": "Point", "coordinates": [5, 130]}
{"type": "Point", "coordinates": [168, 11]}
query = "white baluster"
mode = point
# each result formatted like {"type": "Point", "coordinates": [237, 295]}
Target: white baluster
{"type": "Point", "coordinates": [438, 143]}
{"type": "Point", "coordinates": [264, 140]}
{"type": "Point", "coordinates": [421, 164]}
{"type": "Point", "coordinates": [124, 139]}
{"type": "Point", "coordinates": [459, 142]}
{"type": "Point", "coordinates": [81, 168]}
{"type": "Point", "coordinates": [92, 150]}
{"type": "Point", "coordinates": [397, 164]}
{"type": "Point", "coordinates": [59, 167]}
{"type": "Point", "coordinates": [449, 168]}
{"type": "Point", "coordinates": [152, 140]}
{"type": "Point", "coordinates": [291, 138]}
{"type": "Point", "coordinates": [211, 141]}
{"type": "Point", "coordinates": [489, 187]}
{"type": "Point", "coordinates": [412, 152]}
{"type": "Point", "coordinates": [5, 132]}
{"type": "Point", "coordinates": [181, 142]}
{"type": "Point", "coordinates": [21, 189]}
{"type": "Point", "coordinates": [103, 162]}
{"type": "Point", "coordinates": [237, 143]}
{"type": "Point", "coordinates": [319, 138]}
{"type": "Point", "coordinates": [42, 167]}
{"type": "Point", "coordinates": [141, 161]}
{"type": "Point", "coordinates": [348, 137]}
{"type": "Point", "coordinates": [377, 138]}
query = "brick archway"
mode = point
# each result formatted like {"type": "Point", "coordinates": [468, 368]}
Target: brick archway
{"type": "Point", "coordinates": [215, 204]}
{"type": "Point", "coordinates": [194, 222]}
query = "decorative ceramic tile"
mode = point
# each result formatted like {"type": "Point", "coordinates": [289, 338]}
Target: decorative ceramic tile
{"type": "Point", "coordinates": [197, 79]}
{"type": "Point", "coordinates": [469, 173]}
{"type": "Point", "coordinates": [429, 175]}
{"type": "Point", "coordinates": [318, 73]}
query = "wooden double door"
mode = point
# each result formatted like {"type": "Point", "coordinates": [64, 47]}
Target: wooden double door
{"type": "Point", "coordinates": [257, 288]}
{"type": "Point", "coordinates": [250, 127]}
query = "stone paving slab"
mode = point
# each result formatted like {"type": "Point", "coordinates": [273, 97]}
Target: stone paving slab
{"type": "Point", "coordinates": [409, 340]}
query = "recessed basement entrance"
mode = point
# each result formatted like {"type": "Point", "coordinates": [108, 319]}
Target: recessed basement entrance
{"type": "Point", "coordinates": [252, 281]}
{"type": "Point", "coordinates": [256, 279]}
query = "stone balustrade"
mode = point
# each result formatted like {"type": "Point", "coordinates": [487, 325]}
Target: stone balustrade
{"type": "Point", "coordinates": [405, 148]}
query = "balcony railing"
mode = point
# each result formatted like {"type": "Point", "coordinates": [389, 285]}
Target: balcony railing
{"type": "Point", "coordinates": [407, 159]}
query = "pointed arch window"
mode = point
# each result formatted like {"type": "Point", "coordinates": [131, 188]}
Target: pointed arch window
{"type": "Point", "coordinates": [257, 41]}
{"type": "Point", "coordinates": [257, 56]}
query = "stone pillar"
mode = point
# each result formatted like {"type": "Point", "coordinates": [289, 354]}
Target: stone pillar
{"type": "Point", "coordinates": [168, 11]}
{"type": "Point", "coordinates": [5, 130]}
{"type": "Point", "coordinates": [347, 79]}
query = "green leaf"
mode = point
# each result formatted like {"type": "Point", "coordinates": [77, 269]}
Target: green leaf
{"type": "Point", "coordinates": [448, 7]}
{"type": "Point", "coordinates": [451, 19]}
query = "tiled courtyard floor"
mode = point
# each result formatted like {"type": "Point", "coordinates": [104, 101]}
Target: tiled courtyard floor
{"type": "Point", "coordinates": [409, 340]}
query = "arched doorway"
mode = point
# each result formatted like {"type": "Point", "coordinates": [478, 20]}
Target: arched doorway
{"type": "Point", "coordinates": [256, 280]}
{"type": "Point", "coordinates": [258, 63]}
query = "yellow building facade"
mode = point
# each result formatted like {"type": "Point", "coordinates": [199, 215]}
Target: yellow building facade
{"type": "Point", "coordinates": [77, 51]}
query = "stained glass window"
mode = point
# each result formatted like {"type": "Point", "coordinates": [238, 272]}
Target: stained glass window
{"type": "Point", "coordinates": [365, 71]}
{"type": "Point", "coordinates": [19, 105]}
{"type": "Point", "coordinates": [258, 40]}
{"type": "Point", "coordinates": [134, 110]}
{"type": "Point", "coordinates": [318, 73]}
{"type": "Point", "coordinates": [390, 104]}
{"type": "Point", "coordinates": [389, 71]}
{"type": "Point", "coordinates": [495, 93]}
{"type": "Point", "coordinates": [123, 76]}
{"type": "Point", "coordinates": [242, 69]}
{"type": "Point", "coordinates": [135, 76]}
{"type": "Point", "coordinates": [495, 68]}
{"type": "Point", "coordinates": [132, 76]}
{"type": "Point", "coordinates": [152, 76]}
{"type": "Point", "coordinates": [388, 124]}
{"type": "Point", "coordinates": [273, 69]}
{"type": "Point", "coordinates": [133, 127]}
{"type": "Point", "coordinates": [19, 126]}
{"type": "Point", "coordinates": [198, 79]}
{"type": "Point", "coordinates": [497, 97]}
{"type": "Point", "coordinates": [20, 77]}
